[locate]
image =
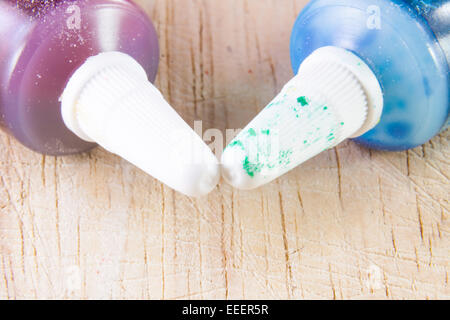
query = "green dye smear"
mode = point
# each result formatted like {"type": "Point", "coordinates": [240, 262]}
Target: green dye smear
{"type": "Point", "coordinates": [237, 143]}
{"type": "Point", "coordinates": [331, 137]}
{"type": "Point", "coordinates": [325, 108]}
{"type": "Point", "coordinates": [303, 101]}
{"type": "Point", "coordinates": [284, 157]}
{"type": "Point", "coordinates": [252, 132]}
{"type": "Point", "coordinates": [252, 168]}
{"type": "Point", "coordinates": [276, 103]}
{"type": "Point", "coordinates": [316, 140]}
{"type": "Point", "coordinates": [342, 123]}
{"type": "Point", "coordinates": [266, 132]}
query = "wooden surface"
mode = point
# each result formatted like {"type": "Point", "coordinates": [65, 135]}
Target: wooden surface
{"type": "Point", "coordinates": [352, 223]}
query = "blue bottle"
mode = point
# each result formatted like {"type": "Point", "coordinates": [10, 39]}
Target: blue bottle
{"type": "Point", "coordinates": [376, 71]}
{"type": "Point", "coordinates": [406, 43]}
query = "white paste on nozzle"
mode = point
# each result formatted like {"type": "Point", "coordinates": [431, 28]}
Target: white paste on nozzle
{"type": "Point", "coordinates": [110, 101]}
{"type": "Point", "coordinates": [335, 96]}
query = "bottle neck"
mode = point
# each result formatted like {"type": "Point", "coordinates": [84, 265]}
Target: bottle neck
{"type": "Point", "coordinates": [334, 60]}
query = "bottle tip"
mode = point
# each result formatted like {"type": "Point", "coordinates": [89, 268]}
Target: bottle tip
{"type": "Point", "coordinates": [235, 171]}
{"type": "Point", "coordinates": [326, 103]}
{"type": "Point", "coordinates": [110, 101]}
{"type": "Point", "coordinates": [201, 179]}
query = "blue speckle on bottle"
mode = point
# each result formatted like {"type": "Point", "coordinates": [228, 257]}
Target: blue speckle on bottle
{"type": "Point", "coordinates": [398, 130]}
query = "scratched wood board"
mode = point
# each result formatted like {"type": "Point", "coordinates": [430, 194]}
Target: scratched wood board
{"type": "Point", "coordinates": [351, 223]}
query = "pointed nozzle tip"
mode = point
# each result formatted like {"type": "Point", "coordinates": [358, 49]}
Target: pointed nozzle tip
{"type": "Point", "coordinates": [200, 180]}
{"type": "Point", "coordinates": [234, 169]}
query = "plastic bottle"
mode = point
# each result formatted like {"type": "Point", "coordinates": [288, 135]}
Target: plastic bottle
{"type": "Point", "coordinates": [375, 70]}
{"type": "Point", "coordinates": [406, 43]}
{"type": "Point", "coordinates": [43, 43]}
{"type": "Point", "coordinates": [74, 73]}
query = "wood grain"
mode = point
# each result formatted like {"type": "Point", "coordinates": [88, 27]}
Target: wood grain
{"type": "Point", "coordinates": [351, 223]}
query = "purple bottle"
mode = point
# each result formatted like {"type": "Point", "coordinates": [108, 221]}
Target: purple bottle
{"type": "Point", "coordinates": [43, 42]}
{"type": "Point", "coordinates": [77, 73]}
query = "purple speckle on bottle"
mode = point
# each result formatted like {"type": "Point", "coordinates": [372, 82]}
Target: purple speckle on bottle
{"type": "Point", "coordinates": [43, 43]}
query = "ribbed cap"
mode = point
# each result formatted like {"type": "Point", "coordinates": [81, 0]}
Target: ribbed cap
{"type": "Point", "coordinates": [110, 101]}
{"type": "Point", "coordinates": [319, 108]}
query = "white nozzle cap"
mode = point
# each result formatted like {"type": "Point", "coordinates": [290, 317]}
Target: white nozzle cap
{"type": "Point", "coordinates": [110, 101]}
{"type": "Point", "coordinates": [335, 96]}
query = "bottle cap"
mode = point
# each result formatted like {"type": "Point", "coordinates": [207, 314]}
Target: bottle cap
{"type": "Point", "coordinates": [335, 96]}
{"type": "Point", "coordinates": [110, 101]}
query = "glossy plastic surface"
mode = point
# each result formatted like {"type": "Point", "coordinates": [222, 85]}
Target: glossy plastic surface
{"type": "Point", "coordinates": [43, 43]}
{"type": "Point", "coordinates": [405, 43]}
